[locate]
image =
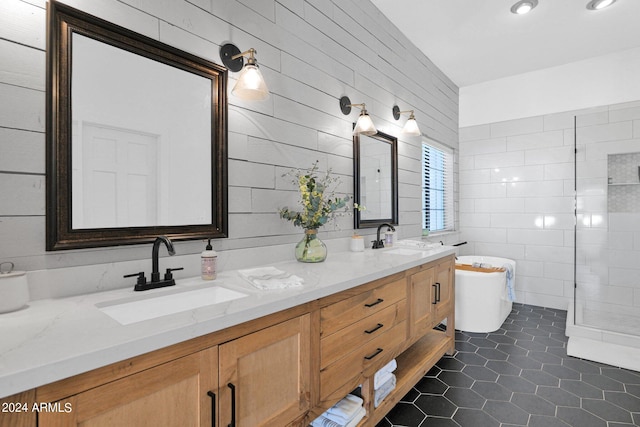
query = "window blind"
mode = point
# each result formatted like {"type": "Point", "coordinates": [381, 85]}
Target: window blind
{"type": "Point", "coordinates": [437, 188]}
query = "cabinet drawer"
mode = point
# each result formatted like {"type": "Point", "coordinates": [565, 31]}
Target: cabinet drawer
{"type": "Point", "coordinates": [347, 372]}
{"type": "Point", "coordinates": [355, 335]}
{"type": "Point", "coordinates": [343, 313]}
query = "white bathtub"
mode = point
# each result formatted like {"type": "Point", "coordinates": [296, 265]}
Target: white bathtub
{"type": "Point", "coordinates": [482, 299]}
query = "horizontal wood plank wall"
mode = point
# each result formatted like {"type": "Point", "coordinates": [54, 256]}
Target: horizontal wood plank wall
{"type": "Point", "coordinates": [311, 53]}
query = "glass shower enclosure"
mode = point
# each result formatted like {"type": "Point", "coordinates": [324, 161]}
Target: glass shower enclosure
{"type": "Point", "coordinates": [607, 231]}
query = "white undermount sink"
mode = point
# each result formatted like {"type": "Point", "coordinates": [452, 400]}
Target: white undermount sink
{"type": "Point", "coordinates": [402, 251]}
{"type": "Point", "coordinates": [139, 309]}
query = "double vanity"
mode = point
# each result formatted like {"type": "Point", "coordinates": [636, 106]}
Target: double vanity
{"type": "Point", "coordinates": [226, 353]}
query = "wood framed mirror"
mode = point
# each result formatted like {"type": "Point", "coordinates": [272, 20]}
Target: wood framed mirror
{"type": "Point", "coordinates": [136, 137]}
{"type": "Point", "coordinates": [375, 171]}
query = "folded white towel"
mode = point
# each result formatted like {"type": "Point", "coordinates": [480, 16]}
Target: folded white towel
{"type": "Point", "coordinates": [384, 390]}
{"type": "Point", "coordinates": [323, 421]}
{"type": "Point", "coordinates": [345, 410]}
{"type": "Point", "coordinates": [267, 278]}
{"type": "Point", "coordinates": [381, 376]}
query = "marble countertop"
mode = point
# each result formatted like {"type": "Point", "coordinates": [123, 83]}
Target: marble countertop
{"type": "Point", "coordinates": [53, 339]}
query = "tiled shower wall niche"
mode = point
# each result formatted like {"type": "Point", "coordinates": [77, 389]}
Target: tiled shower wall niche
{"type": "Point", "coordinates": [623, 193]}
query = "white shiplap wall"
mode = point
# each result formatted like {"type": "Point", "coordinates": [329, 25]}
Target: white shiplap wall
{"type": "Point", "coordinates": [311, 53]}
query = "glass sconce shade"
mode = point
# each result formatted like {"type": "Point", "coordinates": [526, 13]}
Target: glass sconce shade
{"type": "Point", "coordinates": [364, 125]}
{"type": "Point", "coordinates": [251, 85]}
{"type": "Point", "coordinates": [411, 127]}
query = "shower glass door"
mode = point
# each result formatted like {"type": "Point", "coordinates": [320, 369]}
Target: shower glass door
{"type": "Point", "coordinates": [607, 234]}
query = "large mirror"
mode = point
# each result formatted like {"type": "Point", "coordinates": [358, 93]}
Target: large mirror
{"type": "Point", "coordinates": [375, 164]}
{"type": "Point", "coordinates": [136, 137]}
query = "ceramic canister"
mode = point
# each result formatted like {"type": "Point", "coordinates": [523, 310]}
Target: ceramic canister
{"type": "Point", "coordinates": [14, 289]}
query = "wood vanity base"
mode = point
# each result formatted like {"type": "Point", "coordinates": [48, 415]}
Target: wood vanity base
{"type": "Point", "coordinates": [283, 369]}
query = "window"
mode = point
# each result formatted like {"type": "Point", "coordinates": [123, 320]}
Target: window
{"type": "Point", "coordinates": [437, 188]}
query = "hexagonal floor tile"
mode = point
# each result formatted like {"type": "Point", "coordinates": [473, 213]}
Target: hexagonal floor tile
{"type": "Point", "coordinates": [520, 375]}
{"type": "Point", "coordinates": [465, 397]}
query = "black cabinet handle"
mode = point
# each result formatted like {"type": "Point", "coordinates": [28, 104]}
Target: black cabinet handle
{"type": "Point", "coordinates": [435, 294]}
{"type": "Point", "coordinates": [212, 395]}
{"type": "Point", "coordinates": [378, 301]}
{"type": "Point", "coordinates": [375, 328]}
{"type": "Point", "coordinates": [374, 354]}
{"type": "Point", "coordinates": [233, 404]}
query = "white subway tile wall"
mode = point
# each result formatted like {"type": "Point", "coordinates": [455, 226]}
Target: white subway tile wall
{"type": "Point", "coordinates": [517, 201]}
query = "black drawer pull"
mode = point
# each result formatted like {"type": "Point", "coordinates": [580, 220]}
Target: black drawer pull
{"type": "Point", "coordinates": [233, 404]}
{"type": "Point", "coordinates": [375, 353]}
{"type": "Point", "coordinates": [378, 301]}
{"type": "Point", "coordinates": [212, 395]}
{"type": "Point", "coordinates": [438, 292]}
{"type": "Point", "coordinates": [375, 328]}
{"type": "Point", "coordinates": [435, 294]}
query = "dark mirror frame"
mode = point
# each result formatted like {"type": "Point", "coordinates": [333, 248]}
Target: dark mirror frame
{"type": "Point", "coordinates": [371, 223]}
{"type": "Point", "coordinates": [62, 22]}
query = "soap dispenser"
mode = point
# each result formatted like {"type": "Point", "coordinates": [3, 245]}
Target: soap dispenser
{"type": "Point", "coordinates": [209, 263]}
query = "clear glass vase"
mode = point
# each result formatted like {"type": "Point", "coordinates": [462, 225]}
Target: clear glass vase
{"type": "Point", "coordinates": [310, 248]}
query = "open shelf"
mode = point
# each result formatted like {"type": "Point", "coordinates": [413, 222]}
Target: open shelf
{"type": "Point", "coordinates": [413, 364]}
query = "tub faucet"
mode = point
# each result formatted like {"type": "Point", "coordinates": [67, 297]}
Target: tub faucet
{"type": "Point", "coordinates": [379, 244]}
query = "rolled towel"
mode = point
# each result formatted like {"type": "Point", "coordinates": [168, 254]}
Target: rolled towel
{"type": "Point", "coordinates": [384, 390]}
{"type": "Point", "coordinates": [345, 410]}
{"type": "Point", "coordinates": [267, 278]}
{"type": "Point", "coordinates": [382, 373]}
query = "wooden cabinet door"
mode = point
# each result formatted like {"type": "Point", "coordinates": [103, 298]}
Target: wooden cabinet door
{"type": "Point", "coordinates": [444, 289]}
{"type": "Point", "coordinates": [172, 394]}
{"type": "Point", "coordinates": [422, 301]}
{"type": "Point", "coordinates": [264, 376]}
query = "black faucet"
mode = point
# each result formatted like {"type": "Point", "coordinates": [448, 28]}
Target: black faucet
{"type": "Point", "coordinates": [379, 244]}
{"type": "Point", "coordinates": [142, 284]}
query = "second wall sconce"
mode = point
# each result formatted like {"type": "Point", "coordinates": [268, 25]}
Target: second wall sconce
{"type": "Point", "coordinates": [250, 85]}
{"type": "Point", "coordinates": [411, 126]}
{"type": "Point", "coordinates": [364, 125]}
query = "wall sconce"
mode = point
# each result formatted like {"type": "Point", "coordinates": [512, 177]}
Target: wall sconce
{"type": "Point", "coordinates": [364, 125]}
{"type": "Point", "coordinates": [250, 84]}
{"type": "Point", "coordinates": [411, 126]}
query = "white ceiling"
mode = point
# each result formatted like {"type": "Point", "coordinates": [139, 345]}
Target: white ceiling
{"type": "Point", "coordinates": [473, 41]}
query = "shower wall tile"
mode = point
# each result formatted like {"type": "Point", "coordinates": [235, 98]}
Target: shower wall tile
{"type": "Point", "coordinates": [517, 127]}
{"type": "Point", "coordinates": [485, 146]}
{"type": "Point", "coordinates": [535, 237]}
{"type": "Point", "coordinates": [535, 140]}
{"type": "Point", "coordinates": [475, 133]}
{"type": "Point", "coordinates": [624, 114]}
{"type": "Point", "coordinates": [517, 174]}
{"type": "Point", "coordinates": [606, 132]}
{"type": "Point", "coordinates": [500, 205]}
{"type": "Point", "coordinates": [535, 208]}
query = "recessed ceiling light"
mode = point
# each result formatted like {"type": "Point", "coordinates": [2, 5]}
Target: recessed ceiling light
{"type": "Point", "coordinates": [599, 4]}
{"type": "Point", "coordinates": [523, 6]}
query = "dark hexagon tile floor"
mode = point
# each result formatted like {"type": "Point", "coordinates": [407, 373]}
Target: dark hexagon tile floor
{"type": "Point", "coordinates": [520, 375]}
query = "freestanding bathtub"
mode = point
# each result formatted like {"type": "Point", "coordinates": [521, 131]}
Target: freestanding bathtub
{"type": "Point", "coordinates": [482, 299]}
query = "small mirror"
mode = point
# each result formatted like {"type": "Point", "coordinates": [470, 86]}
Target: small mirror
{"type": "Point", "coordinates": [136, 137]}
{"type": "Point", "coordinates": [375, 164]}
